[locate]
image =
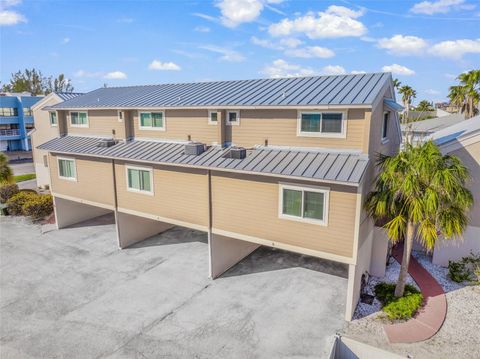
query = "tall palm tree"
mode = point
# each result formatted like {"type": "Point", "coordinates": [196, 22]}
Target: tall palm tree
{"type": "Point", "coordinates": [408, 94]}
{"type": "Point", "coordinates": [424, 106]}
{"type": "Point", "coordinates": [6, 174]}
{"type": "Point", "coordinates": [466, 95]}
{"type": "Point", "coordinates": [396, 84]}
{"type": "Point", "coordinates": [420, 193]}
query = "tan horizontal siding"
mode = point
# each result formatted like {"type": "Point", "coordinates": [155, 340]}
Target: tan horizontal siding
{"type": "Point", "coordinates": [179, 124]}
{"type": "Point", "coordinates": [280, 128]}
{"type": "Point", "coordinates": [94, 180]}
{"type": "Point", "coordinates": [100, 123]}
{"type": "Point", "coordinates": [249, 206]}
{"type": "Point", "coordinates": [180, 194]}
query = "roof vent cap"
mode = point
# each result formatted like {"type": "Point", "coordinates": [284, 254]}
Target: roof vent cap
{"type": "Point", "coordinates": [237, 153]}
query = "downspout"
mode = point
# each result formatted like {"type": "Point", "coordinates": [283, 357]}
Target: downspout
{"type": "Point", "coordinates": [210, 222]}
{"type": "Point", "coordinates": [115, 202]}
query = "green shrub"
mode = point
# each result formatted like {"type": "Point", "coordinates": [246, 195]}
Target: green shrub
{"type": "Point", "coordinates": [398, 308]}
{"type": "Point", "coordinates": [39, 206]}
{"type": "Point", "coordinates": [16, 202]}
{"type": "Point", "coordinates": [25, 177]}
{"type": "Point", "coordinates": [7, 190]}
{"type": "Point", "coordinates": [465, 270]}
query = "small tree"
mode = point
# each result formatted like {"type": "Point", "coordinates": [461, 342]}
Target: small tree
{"type": "Point", "coordinates": [6, 174]}
{"type": "Point", "coordinates": [58, 84]}
{"type": "Point", "coordinates": [420, 193]}
{"type": "Point", "coordinates": [424, 106]}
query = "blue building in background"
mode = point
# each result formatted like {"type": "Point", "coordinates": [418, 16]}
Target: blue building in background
{"type": "Point", "coordinates": [16, 120]}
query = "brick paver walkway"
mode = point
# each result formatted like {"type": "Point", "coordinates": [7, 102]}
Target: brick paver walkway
{"type": "Point", "coordinates": [430, 318]}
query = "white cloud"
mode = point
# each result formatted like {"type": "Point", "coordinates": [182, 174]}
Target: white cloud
{"type": "Point", "coordinates": [437, 7]}
{"type": "Point", "coordinates": [398, 70]}
{"type": "Point", "coordinates": [432, 92]}
{"type": "Point", "coordinates": [358, 72]}
{"type": "Point", "coordinates": [282, 44]}
{"type": "Point", "coordinates": [333, 70]}
{"type": "Point", "coordinates": [115, 75]}
{"type": "Point", "coordinates": [227, 54]}
{"type": "Point", "coordinates": [455, 49]}
{"type": "Point", "coordinates": [403, 45]}
{"type": "Point", "coordinates": [336, 21]}
{"type": "Point", "coordinates": [10, 17]}
{"type": "Point", "coordinates": [290, 42]}
{"type": "Point", "coordinates": [163, 66]}
{"type": "Point", "coordinates": [235, 12]}
{"type": "Point", "coordinates": [65, 40]}
{"type": "Point", "coordinates": [205, 17]}
{"type": "Point", "coordinates": [202, 29]}
{"type": "Point", "coordinates": [281, 68]}
{"type": "Point", "coordinates": [310, 51]}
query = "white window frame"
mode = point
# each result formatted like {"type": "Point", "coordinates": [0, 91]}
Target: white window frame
{"type": "Point", "coordinates": [301, 133]}
{"type": "Point", "coordinates": [304, 188]}
{"type": "Point", "coordinates": [122, 114]}
{"type": "Point", "coordinates": [72, 179]}
{"type": "Point", "coordinates": [141, 168]}
{"type": "Point", "coordinates": [76, 125]}
{"type": "Point", "coordinates": [227, 118]}
{"type": "Point", "coordinates": [385, 139]}
{"type": "Point", "coordinates": [151, 128]}
{"type": "Point", "coordinates": [50, 119]}
{"type": "Point", "coordinates": [210, 122]}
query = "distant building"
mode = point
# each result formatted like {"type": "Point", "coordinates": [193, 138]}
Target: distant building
{"type": "Point", "coordinates": [417, 132]}
{"type": "Point", "coordinates": [16, 120]}
{"type": "Point", "coordinates": [447, 106]}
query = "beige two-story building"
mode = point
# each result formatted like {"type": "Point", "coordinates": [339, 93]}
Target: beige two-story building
{"type": "Point", "coordinates": [284, 163]}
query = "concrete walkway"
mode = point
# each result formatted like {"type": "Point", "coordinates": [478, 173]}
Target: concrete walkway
{"type": "Point", "coordinates": [430, 318]}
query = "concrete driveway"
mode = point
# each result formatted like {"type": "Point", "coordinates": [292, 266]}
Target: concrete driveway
{"type": "Point", "coordinates": [73, 294]}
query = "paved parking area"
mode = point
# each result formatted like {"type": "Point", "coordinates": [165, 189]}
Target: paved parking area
{"type": "Point", "coordinates": [73, 294]}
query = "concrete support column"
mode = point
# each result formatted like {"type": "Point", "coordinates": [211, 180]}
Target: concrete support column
{"type": "Point", "coordinates": [70, 212]}
{"type": "Point", "coordinates": [378, 263]}
{"type": "Point", "coordinates": [225, 252]}
{"type": "Point", "coordinates": [132, 229]}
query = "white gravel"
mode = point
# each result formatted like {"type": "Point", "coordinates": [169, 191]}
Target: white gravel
{"type": "Point", "coordinates": [438, 272]}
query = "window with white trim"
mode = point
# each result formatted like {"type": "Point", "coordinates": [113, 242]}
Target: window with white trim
{"type": "Point", "coordinates": [212, 117]}
{"type": "Point", "coordinates": [306, 204]}
{"type": "Point", "coordinates": [67, 169]}
{"type": "Point", "coordinates": [27, 111]}
{"type": "Point", "coordinates": [152, 120]}
{"type": "Point", "coordinates": [79, 119]}
{"type": "Point", "coordinates": [53, 118]}
{"type": "Point", "coordinates": [233, 118]}
{"type": "Point", "coordinates": [321, 124]}
{"type": "Point", "coordinates": [386, 120]}
{"type": "Point", "coordinates": [140, 179]}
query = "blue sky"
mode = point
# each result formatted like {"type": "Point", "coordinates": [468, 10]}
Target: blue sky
{"type": "Point", "coordinates": [425, 43]}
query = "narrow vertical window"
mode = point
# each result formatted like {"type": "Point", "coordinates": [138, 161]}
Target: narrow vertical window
{"type": "Point", "coordinates": [53, 119]}
{"type": "Point", "coordinates": [386, 119]}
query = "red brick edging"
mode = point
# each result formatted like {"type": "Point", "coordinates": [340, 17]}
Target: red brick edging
{"type": "Point", "coordinates": [430, 318]}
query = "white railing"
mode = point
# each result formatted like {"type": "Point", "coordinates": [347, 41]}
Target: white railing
{"type": "Point", "coordinates": [14, 132]}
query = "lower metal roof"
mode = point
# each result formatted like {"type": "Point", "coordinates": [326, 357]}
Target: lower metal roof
{"type": "Point", "coordinates": [342, 167]}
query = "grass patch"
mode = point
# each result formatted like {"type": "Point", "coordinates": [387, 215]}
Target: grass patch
{"type": "Point", "coordinates": [399, 308]}
{"type": "Point", "coordinates": [25, 177]}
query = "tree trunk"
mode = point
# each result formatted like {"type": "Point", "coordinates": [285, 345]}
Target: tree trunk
{"type": "Point", "coordinates": [407, 252]}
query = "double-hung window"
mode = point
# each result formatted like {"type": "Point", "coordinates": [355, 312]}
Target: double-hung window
{"type": "Point", "coordinates": [321, 124]}
{"type": "Point", "coordinates": [212, 117]}
{"type": "Point", "coordinates": [140, 179]}
{"type": "Point", "coordinates": [386, 119]}
{"type": "Point", "coordinates": [305, 204]}
{"type": "Point", "coordinates": [67, 169]}
{"type": "Point", "coordinates": [27, 111]}
{"type": "Point", "coordinates": [233, 118]}
{"type": "Point", "coordinates": [53, 119]}
{"type": "Point", "coordinates": [152, 121]}
{"type": "Point", "coordinates": [79, 119]}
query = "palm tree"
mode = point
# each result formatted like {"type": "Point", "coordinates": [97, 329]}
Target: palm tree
{"type": "Point", "coordinates": [419, 193]}
{"type": "Point", "coordinates": [424, 106]}
{"type": "Point", "coordinates": [6, 174]}
{"type": "Point", "coordinates": [408, 94]}
{"type": "Point", "coordinates": [466, 95]}
{"type": "Point", "coordinates": [396, 84]}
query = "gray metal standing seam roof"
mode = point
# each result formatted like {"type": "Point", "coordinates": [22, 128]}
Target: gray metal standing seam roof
{"type": "Point", "coordinates": [342, 167]}
{"type": "Point", "coordinates": [68, 95]}
{"type": "Point", "coordinates": [360, 89]}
